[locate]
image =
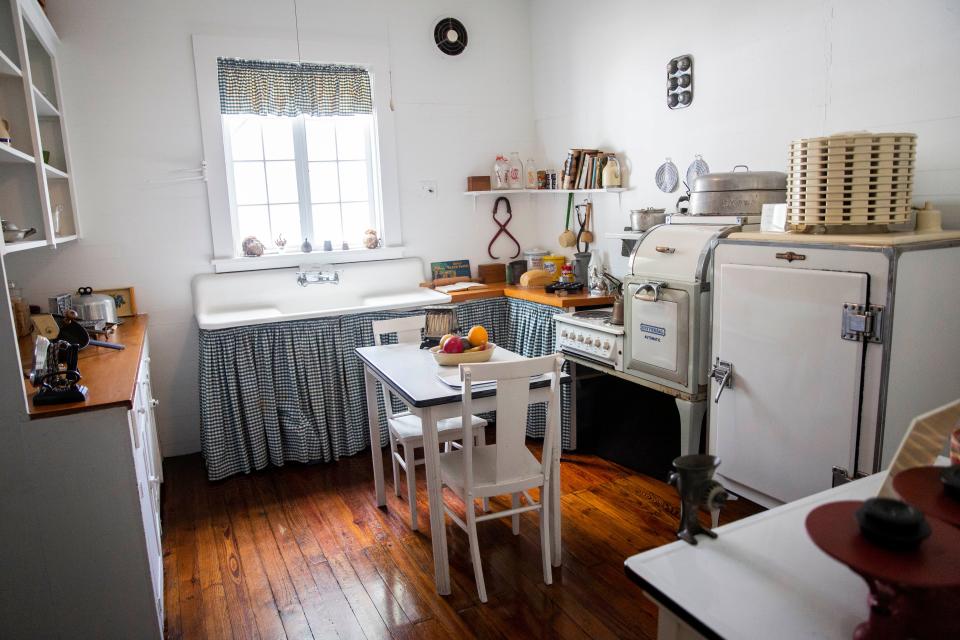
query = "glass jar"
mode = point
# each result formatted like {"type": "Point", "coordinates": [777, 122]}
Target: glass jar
{"type": "Point", "coordinates": [500, 178]}
{"type": "Point", "coordinates": [515, 177]}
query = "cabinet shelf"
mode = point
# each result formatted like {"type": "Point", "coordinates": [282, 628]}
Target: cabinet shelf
{"type": "Point", "coordinates": [23, 245]}
{"type": "Point", "coordinates": [8, 68]}
{"type": "Point", "coordinates": [54, 173]}
{"type": "Point", "coordinates": [45, 108]}
{"type": "Point", "coordinates": [12, 154]}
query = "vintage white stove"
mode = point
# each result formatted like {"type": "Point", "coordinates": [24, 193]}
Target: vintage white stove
{"type": "Point", "coordinates": [664, 343]}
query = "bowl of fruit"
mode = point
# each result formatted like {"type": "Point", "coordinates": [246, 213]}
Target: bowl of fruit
{"type": "Point", "coordinates": [454, 350]}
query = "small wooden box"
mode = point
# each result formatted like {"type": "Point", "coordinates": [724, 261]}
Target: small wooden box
{"type": "Point", "coordinates": [492, 273]}
{"type": "Point", "coordinates": [478, 183]}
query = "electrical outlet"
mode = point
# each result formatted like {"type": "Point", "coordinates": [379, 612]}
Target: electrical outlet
{"type": "Point", "coordinates": [428, 189]}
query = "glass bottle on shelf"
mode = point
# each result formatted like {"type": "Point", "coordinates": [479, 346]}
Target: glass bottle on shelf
{"type": "Point", "coordinates": [531, 172]}
{"type": "Point", "coordinates": [515, 178]}
{"type": "Point", "coordinates": [57, 219]}
{"type": "Point", "coordinates": [500, 178]}
{"type": "Point", "coordinates": [611, 173]}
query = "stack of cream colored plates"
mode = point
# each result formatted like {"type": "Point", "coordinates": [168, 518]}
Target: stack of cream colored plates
{"type": "Point", "coordinates": [851, 179]}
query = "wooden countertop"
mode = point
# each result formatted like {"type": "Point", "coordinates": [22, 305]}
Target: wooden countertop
{"type": "Point", "coordinates": [532, 294]}
{"type": "Point", "coordinates": [109, 375]}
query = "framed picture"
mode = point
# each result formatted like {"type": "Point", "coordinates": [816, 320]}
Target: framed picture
{"type": "Point", "coordinates": [124, 299]}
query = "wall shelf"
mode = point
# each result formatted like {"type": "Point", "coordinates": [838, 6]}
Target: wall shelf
{"type": "Point", "coordinates": [542, 192]}
{"type": "Point", "coordinates": [503, 192]}
{"type": "Point", "coordinates": [12, 154]}
{"type": "Point", "coordinates": [65, 239]}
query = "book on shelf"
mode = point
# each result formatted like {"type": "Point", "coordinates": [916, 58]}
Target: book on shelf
{"type": "Point", "coordinates": [583, 169]}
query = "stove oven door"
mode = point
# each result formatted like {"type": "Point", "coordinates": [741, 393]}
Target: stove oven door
{"type": "Point", "coordinates": [658, 332]}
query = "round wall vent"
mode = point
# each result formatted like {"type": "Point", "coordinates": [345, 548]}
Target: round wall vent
{"type": "Point", "coordinates": [450, 36]}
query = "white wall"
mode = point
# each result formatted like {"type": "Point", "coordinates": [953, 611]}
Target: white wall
{"type": "Point", "coordinates": [764, 74]}
{"type": "Point", "coordinates": [130, 98]}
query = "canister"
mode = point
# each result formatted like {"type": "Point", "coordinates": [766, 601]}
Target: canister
{"type": "Point", "coordinates": [534, 258]}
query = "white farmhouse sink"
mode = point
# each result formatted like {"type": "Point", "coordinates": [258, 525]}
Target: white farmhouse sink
{"type": "Point", "coordinates": [225, 300]}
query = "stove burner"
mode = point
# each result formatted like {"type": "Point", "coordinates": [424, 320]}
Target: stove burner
{"type": "Point", "coordinates": [603, 314]}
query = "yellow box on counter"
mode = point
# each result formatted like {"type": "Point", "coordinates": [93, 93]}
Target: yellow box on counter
{"type": "Point", "coordinates": [554, 264]}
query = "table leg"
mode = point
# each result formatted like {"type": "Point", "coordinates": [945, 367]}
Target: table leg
{"type": "Point", "coordinates": [555, 518]}
{"type": "Point", "coordinates": [373, 419]}
{"type": "Point", "coordinates": [438, 529]}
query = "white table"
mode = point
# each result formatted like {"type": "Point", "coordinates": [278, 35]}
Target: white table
{"type": "Point", "coordinates": [761, 578]}
{"type": "Point", "coordinates": [411, 373]}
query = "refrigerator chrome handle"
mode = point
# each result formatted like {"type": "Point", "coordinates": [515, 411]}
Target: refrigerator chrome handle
{"type": "Point", "coordinates": [722, 372]}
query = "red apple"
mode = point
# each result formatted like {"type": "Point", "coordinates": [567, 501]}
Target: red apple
{"type": "Point", "coordinates": [454, 345]}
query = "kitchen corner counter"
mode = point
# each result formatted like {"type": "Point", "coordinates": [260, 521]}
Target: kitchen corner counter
{"type": "Point", "coordinates": [532, 294]}
{"type": "Point", "coordinates": [109, 375]}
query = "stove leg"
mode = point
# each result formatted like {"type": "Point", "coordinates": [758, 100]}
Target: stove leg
{"type": "Point", "coordinates": [691, 417]}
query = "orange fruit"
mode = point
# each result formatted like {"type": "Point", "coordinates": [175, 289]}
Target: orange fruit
{"type": "Point", "coordinates": [477, 336]}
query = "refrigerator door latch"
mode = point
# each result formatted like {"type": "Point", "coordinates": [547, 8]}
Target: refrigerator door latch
{"type": "Point", "coordinates": [862, 323]}
{"type": "Point", "coordinates": [722, 372]}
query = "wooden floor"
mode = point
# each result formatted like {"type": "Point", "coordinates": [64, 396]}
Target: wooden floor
{"type": "Point", "coordinates": [304, 552]}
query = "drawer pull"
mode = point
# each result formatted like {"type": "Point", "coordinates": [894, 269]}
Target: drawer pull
{"type": "Point", "coordinates": [154, 402]}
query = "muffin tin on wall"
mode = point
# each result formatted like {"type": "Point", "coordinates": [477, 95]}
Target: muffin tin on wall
{"type": "Point", "coordinates": [680, 82]}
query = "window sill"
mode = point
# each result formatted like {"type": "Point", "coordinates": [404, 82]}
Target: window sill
{"type": "Point", "coordinates": [298, 258]}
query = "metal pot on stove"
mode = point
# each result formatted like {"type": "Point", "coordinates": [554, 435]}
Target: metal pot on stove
{"type": "Point", "coordinates": [737, 192]}
{"type": "Point", "coordinates": [94, 307]}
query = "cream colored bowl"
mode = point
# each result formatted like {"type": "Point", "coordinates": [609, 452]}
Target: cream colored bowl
{"type": "Point", "coordinates": [453, 359]}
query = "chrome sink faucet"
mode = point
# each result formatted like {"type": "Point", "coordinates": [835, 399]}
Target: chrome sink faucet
{"type": "Point", "coordinates": [319, 274]}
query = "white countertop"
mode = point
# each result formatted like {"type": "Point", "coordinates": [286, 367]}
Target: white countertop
{"type": "Point", "coordinates": [762, 577]}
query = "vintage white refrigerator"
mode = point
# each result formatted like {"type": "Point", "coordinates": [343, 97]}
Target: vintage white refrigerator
{"type": "Point", "coordinates": [823, 350]}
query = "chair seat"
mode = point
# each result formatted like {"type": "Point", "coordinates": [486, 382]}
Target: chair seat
{"type": "Point", "coordinates": [407, 426]}
{"type": "Point", "coordinates": [530, 473]}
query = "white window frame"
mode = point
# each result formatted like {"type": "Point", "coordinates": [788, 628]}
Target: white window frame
{"type": "Point", "coordinates": [372, 55]}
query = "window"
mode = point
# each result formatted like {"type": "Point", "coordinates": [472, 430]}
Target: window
{"type": "Point", "coordinates": [300, 151]}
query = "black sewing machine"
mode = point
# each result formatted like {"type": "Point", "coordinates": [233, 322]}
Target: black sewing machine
{"type": "Point", "coordinates": [55, 373]}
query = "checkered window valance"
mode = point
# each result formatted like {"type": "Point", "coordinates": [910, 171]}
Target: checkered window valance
{"type": "Point", "coordinates": [290, 89]}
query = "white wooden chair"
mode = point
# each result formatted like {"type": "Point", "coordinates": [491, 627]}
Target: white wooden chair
{"type": "Point", "coordinates": [404, 428]}
{"type": "Point", "coordinates": [506, 467]}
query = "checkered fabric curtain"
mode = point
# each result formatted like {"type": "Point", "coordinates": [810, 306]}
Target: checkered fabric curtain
{"type": "Point", "coordinates": [258, 87]}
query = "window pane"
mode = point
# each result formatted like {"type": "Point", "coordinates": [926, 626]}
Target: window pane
{"type": "Point", "coordinates": [326, 224]}
{"type": "Point", "coordinates": [282, 182]}
{"type": "Point", "coordinates": [321, 141]}
{"type": "Point", "coordinates": [285, 219]}
{"type": "Point", "coordinates": [253, 221]}
{"type": "Point", "coordinates": [248, 183]}
{"type": "Point", "coordinates": [244, 132]}
{"type": "Point", "coordinates": [278, 138]}
{"type": "Point", "coordinates": [352, 137]}
{"type": "Point", "coordinates": [356, 220]}
{"type": "Point", "coordinates": [323, 182]}
{"type": "Point", "coordinates": [353, 181]}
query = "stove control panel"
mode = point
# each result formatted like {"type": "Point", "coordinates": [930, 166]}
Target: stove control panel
{"type": "Point", "coordinates": [590, 343]}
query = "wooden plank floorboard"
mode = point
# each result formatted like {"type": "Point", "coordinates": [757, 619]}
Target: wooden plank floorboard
{"type": "Point", "coordinates": [304, 551]}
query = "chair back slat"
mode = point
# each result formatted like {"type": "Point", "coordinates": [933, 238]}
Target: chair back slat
{"type": "Point", "coordinates": [513, 397]}
{"type": "Point", "coordinates": [408, 331]}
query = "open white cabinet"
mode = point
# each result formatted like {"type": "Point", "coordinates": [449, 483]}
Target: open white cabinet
{"type": "Point", "coordinates": [35, 174]}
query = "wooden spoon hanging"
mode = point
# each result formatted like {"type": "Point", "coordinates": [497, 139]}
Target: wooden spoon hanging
{"type": "Point", "coordinates": [568, 238]}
